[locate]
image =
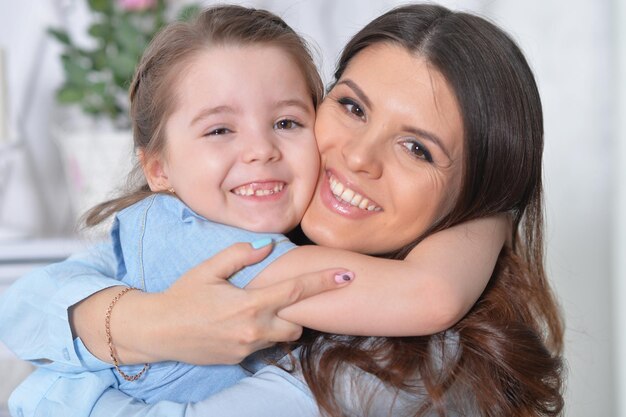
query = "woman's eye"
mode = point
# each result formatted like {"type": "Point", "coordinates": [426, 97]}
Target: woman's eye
{"type": "Point", "coordinates": [417, 150]}
{"type": "Point", "coordinates": [286, 124]}
{"type": "Point", "coordinates": [217, 132]}
{"type": "Point", "coordinates": [352, 107]}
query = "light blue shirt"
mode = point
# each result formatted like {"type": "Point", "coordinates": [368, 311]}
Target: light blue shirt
{"type": "Point", "coordinates": [155, 241]}
{"type": "Point", "coordinates": [34, 324]}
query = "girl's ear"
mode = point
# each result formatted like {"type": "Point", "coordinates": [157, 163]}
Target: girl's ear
{"type": "Point", "coordinates": [154, 170]}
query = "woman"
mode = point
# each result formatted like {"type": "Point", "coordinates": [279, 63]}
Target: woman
{"type": "Point", "coordinates": [421, 66]}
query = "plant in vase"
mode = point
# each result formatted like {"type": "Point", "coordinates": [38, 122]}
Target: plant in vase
{"type": "Point", "coordinates": [94, 131]}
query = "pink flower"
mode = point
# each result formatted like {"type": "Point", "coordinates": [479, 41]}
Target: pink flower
{"type": "Point", "coordinates": [137, 5]}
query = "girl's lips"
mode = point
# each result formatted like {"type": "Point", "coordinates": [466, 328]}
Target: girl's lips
{"type": "Point", "coordinates": [344, 200]}
{"type": "Point", "coordinates": [259, 189]}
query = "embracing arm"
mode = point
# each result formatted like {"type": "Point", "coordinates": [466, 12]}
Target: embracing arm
{"type": "Point", "coordinates": [425, 293]}
{"type": "Point", "coordinates": [272, 392]}
{"type": "Point", "coordinates": [33, 311]}
{"type": "Point", "coordinates": [201, 318]}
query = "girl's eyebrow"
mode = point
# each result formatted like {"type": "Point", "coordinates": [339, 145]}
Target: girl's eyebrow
{"type": "Point", "coordinates": [357, 90]}
{"type": "Point", "coordinates": [294, 103]}
{"type": "Point", "coordinates": [204, 113]}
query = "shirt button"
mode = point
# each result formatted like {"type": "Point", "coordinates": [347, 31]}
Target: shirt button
{"type": "Point", "coordinates": [20, 413]}
{"type": "Point", "coordinates": [66, 354]}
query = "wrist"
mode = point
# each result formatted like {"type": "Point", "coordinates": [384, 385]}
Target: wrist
{"type": "Point", "coordinates": [131, 327]}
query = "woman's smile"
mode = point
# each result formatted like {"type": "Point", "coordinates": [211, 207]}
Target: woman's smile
{"type": "Point", "coordinates": [342, 198]}
{"type": "Point", "coordinates": [390, 142]}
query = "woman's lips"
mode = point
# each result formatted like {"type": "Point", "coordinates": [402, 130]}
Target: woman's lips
{"type": "Point", "coordinates": [347, 195]}
{"type": "Point", "coordinates": [339, 197]}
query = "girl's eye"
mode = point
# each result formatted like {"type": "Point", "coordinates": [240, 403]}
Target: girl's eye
{"type": "Point", "coordinates": [218, 132]}
{"type": "Point", "coordinates": [352, 107]}
{"type": "Point", "coordinates": [286, 124]}
{"type": "Point", "coordinates": [417, 150]}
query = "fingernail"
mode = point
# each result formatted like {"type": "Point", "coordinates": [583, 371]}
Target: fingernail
{"type": "Point", "coordinates": [258, 244]}
{"type": "Point", "coordinates": [343, 277]}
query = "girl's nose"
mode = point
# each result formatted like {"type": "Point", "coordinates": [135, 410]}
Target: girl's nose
{"type": "Point", "coordinates": [362, 154]}
{"type": "Point", "coordinates": [261, 148]}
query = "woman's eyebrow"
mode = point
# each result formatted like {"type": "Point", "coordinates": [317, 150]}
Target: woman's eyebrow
{"type": "Point", "coordinates": [431, 137]}
{"type": "Point", "coordinates": [357, 90]}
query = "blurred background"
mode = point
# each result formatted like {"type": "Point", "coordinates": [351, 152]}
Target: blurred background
{"type": "Point", "coordinates": [577, 49]}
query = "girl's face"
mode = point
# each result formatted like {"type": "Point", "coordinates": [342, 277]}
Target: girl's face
{"type": "Point", "coordinates": [390, 135]}
{"type": "Point", "coordinates": [240, 145]}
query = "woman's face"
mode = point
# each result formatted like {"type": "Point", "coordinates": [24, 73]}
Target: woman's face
{"type": "Point", "coordinates": [390, 135]}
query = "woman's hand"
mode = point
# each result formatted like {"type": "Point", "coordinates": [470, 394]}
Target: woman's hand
{"type": "Point", "coordinates": [201, 318]}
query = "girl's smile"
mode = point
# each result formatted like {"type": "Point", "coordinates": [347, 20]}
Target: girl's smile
{"type": "Point", "coordinates": [240, 147]}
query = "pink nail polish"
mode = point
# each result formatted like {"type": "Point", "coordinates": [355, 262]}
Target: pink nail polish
{"type": "Point", "coordinates": [344, 277]}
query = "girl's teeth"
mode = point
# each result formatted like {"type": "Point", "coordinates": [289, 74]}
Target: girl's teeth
{"type": "Point", "coordinates": [249, 191]}
{"type": "Point", "coordinates": [363, 204]}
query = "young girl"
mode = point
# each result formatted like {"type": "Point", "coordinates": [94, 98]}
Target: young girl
{"type": "Point", "coordinates": [223, 112]}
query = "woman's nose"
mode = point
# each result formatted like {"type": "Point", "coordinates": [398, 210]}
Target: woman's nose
{"type": "Point", "coordinates": [362, 154]}
{"type": "Point", "coordinates": [261, 148]}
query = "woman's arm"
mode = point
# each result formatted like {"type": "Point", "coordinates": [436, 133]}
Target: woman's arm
{"type": "Point", "coordinates": [425, 293]}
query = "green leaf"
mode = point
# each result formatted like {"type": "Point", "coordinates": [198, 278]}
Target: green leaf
{"type": "Point", "coordinates": [98, 88]}
{"type": "Point", "coordinates": [123, 66]}
{"type": "Point", "coordinates": [100, 5]}
{"type": "Point", "coordinates": [100, 31]}
{"type": "Point", "coordinates": [60, 35]}
{"type": "Point", "coordinates": [99, 60]}
{"type": "Point", "coordinates": [188, 12]}
{"type": "Point", "coordinates": [69, 94]}
{"type": "Point", "coordinates": [75, 73]}
{"type": "Point", "coordinates": [129, 37]}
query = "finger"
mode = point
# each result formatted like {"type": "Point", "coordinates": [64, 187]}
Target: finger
{"type": "Point", "coordinates": [283, 331]}
{"type": "Point", "coordinates": [291, 291]}
{"type": "Point", "coordinates": [232, 259]}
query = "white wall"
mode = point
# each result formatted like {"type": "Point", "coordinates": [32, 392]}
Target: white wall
{"type": "Point", "coordinates": [570, 44]}
{"type": "Point", "coordinates": [619, 207]}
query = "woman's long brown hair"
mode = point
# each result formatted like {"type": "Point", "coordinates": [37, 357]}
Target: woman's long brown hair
{"type": "Point", "coordinates": [505, 358]}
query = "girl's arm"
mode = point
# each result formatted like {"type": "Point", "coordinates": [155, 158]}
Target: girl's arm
{"type": "Point", "coordinates": [425, 293]}
{"type": "Point", "coordinates": [201, 319]}
{"type": "Point", "coordinates": [39, 313]}
{"type": "Point", "coordinates": [34, 309]}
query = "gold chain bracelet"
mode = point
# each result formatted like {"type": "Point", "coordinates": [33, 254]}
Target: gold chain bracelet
{"type": "Point", "coordinates": [107, 329]}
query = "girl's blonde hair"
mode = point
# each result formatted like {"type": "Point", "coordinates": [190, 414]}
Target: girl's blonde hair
{"type": "Point", "coordinates": [152, 90]}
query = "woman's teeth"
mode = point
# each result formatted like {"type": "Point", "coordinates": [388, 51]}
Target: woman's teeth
{"type": "Point", "coordinates": [249, 190]}
{"type": "Point", "coordinates": [350, 196]}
